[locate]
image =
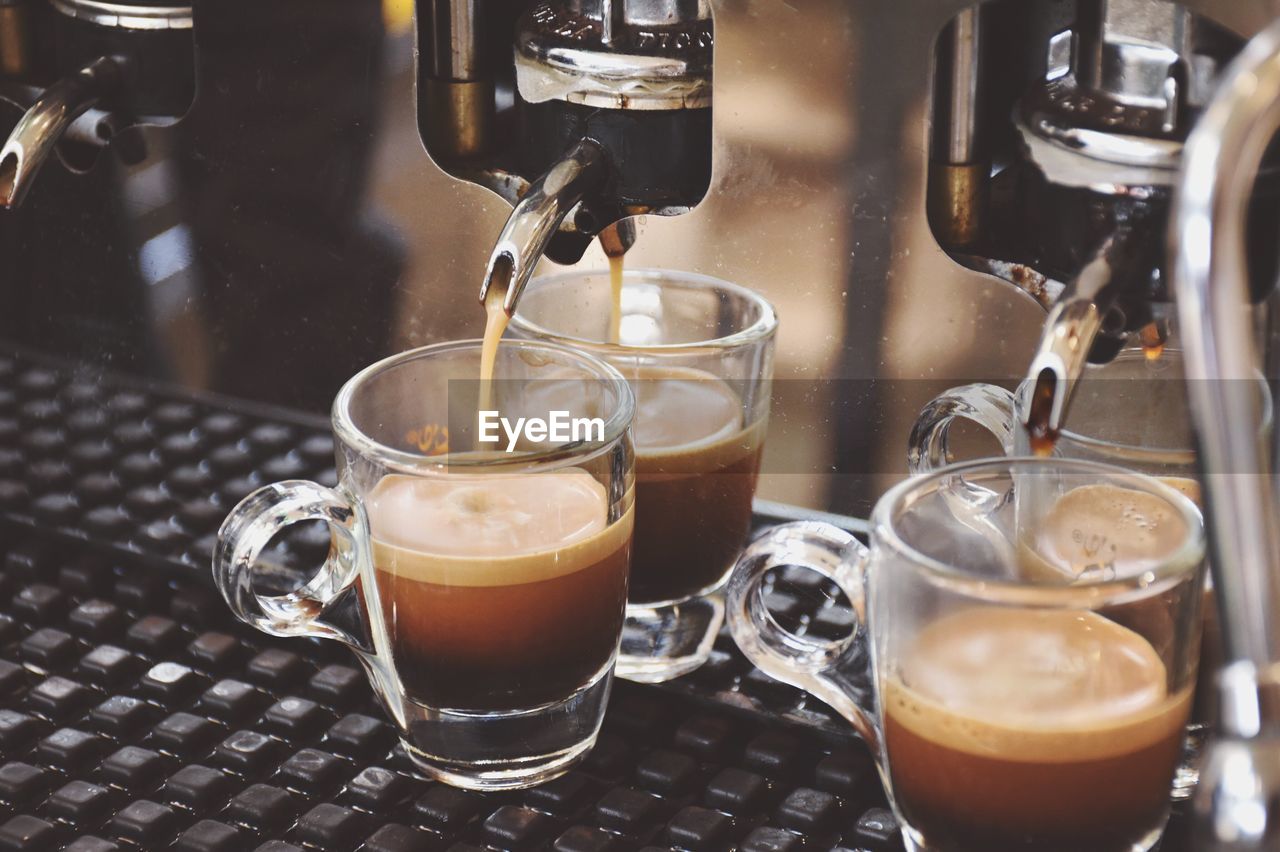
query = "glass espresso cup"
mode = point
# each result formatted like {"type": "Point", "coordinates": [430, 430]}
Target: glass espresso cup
{"type": "Point", "coordinates": [698, 353]}
{"type": "Point", "coordinates": [1133, 412]}
{"type": "Point", "coordinates": [1032, 660]}
{"type": "Point", "coordinates": [488, 587]}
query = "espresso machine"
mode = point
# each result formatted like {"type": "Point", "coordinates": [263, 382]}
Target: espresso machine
{"type": "Point", "coordinates": [1022, 167]}
{"type": "Point", "coordinates": [1017, 142]}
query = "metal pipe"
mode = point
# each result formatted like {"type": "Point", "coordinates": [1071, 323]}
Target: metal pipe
{"type": "Point", "coordinates": [1220, 164]}
{"type": "Point", "coordinates": [1075, 321]}
{"type": "Point", "coordinates": [16, 34]}
{"type": "Point", "coordinates": [1069, 331]}
{"type": "Point", "coordinates": [618, 238]}
{"type": "Point", "coordinates": [457, 79]}
{"type": "Point", "coordinates": [536, 218]}
{"type": "Point", "coordinates": [965, 74]}
{"type": "Point", "coordinates": [455, 49]}
{"type": "Point", "coordinates": [958, 168]}
{"type": "Point", "coordinates": [1237, 801]}
{"type": "Point", "coordinates": [33, 139]}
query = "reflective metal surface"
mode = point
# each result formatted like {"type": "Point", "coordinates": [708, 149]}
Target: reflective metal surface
{"type": "Point", "coordinates": [1238, 803]}
{"type": "Point", "coordinates": [1107, 123]}
{"type": "Point", "coordinates": [1207, 238]}
{"type": "Point", "coordinates": [134, 16]}
{"type": "Point", "coordinates": [963, 95]}
{"type": "Point", "coordinates": [32, 141]}
{"type": "Point", "coordinates": [611, 56]}
{"type": "Point", "coordinates": [533, 222]}
{"type": "Point", "coordinates": [1237, 800]}
{"type": "Point", "coordinates": [1135, 54]}
{"type": "Point", "coordinates": [455, 51]}
{"type": "Point", "coordinates": [651, 13]}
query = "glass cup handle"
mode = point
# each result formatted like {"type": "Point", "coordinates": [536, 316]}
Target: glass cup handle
{"type": "Point", "coordinates": [249, 528]}
{"type": "Point", "coordinates": [990, 406]}
{"type": "Point", "coordinates": [928, 450]}
{"type": "Point", "coordinates": [836, 672]}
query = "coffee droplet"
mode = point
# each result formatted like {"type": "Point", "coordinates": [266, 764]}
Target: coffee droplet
{"type": "Point", "coordinates": [1153, 340]}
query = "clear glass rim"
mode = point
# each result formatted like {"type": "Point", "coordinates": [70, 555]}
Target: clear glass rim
{"type": "Point", "coordinates": [615, 426]}
{"type": "Point", "coordinates": [1184, 456]}
{"type": "Point", "coordinates": [764, 327]}
{"type": "Point", "coordinates": [884, 533]}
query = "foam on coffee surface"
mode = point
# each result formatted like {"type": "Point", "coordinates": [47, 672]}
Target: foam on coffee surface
{"type": "Point", "coordinates": [1107, 528]}
{"type": "Point", "coordinates": [491, 529]}
{"type": "Point", "coordinates": [682, 409]}
{"type": "Point", "coordinates": [1185, 486]}
{"type": "Point", "coordinates": [1033, 685]}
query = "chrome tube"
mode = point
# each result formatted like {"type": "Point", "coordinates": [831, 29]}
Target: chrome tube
{"type": "Point", "coordinates": [1068, 334]}
{"type": "Point", "coordinates": [456, 78]}
{"type": "Point", "coordinates": [959, 169]}
{"type": "Point", "coordinates": [963, 97]}
{"type": "Point", "coordinates": [618, 238]}
{"type": "Point", "coordinates": [455, 51]}
{"type": "Point", "coordinates": [1237, 802]}
{"type": "Point", "coordinates": [1207, 242]}
{"type": "Point", "coordinates": [1075, 321]}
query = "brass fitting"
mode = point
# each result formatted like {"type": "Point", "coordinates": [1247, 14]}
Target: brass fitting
{"type": "Point", "coordinates": [459, 119]}
{"type": "Point", "coordinates": [15, 40]}
{"type": "Point", "coordinates": [957, 202]}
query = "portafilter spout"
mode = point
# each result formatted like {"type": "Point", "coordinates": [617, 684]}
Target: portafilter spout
{"type": "Point", "coordinates": [1064, 348]}
{"type": "Point", "coordinates": [1237, 802]}
{"type": "Point", "coordinates": [538, 215]}
{"type": "Point", "coordinates": [39, 130]}
{"type": "Point", "coordinates": [1100, 299]}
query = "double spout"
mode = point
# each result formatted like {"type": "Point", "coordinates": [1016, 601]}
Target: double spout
{"type": "Point", "coordinates": [38, 132]}
{"type": "Point", "coordinates": [1100, 300]}
{"type": "Point", "coordinates": [536, 219]}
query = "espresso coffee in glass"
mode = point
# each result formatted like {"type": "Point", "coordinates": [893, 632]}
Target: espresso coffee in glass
{"type": "Point", "coordinates": [483, 588]}
{"type": "Point", "coordinates": [698, 353]}
{"type": "Point", "coordinates": [1033, 655]}
{"type": "Point", "coordinates": [1133, 412]}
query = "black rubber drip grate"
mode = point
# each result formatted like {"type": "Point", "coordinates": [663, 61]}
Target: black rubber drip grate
{"type": "Point", "coordinates": [136, 713]}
